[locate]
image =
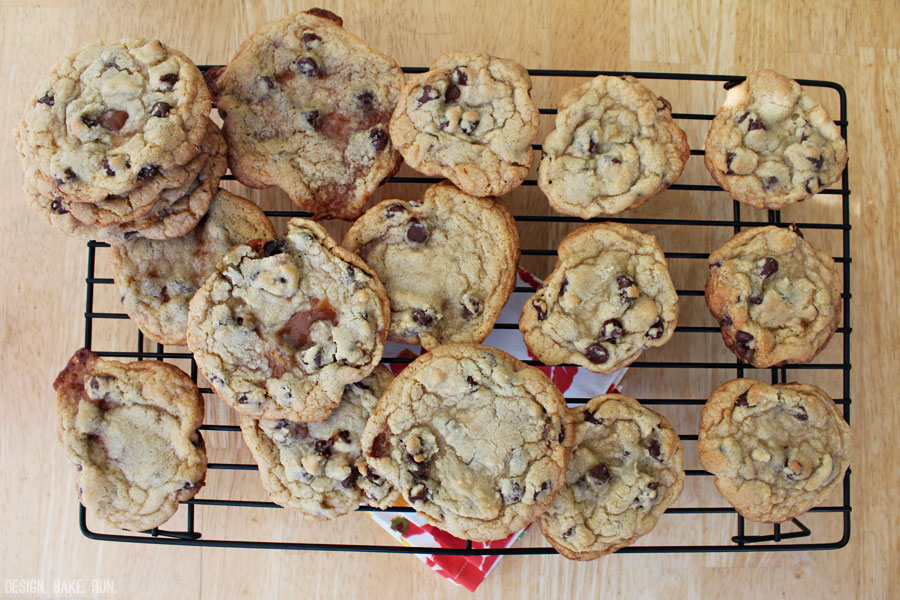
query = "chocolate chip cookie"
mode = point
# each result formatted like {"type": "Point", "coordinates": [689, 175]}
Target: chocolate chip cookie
{"type": "Point", "coordinates": [156, 279]}
{"type": "Point", "coordinates": [609, 298]}
{"type": "Point", "coordinates": [624, 473]}
{"type": "Point", "coordinates": [776, 450]}
{"type": "Point", "coordinates": [448, 263]}
{"type": "Point", "coordinates": [109, 117]}
{"type": "Point", "coordinates": [471, 119]}
{"type": "Point", "coordinates": [280, 327]}
{"type": "Point", "coordinates": [476, 441]}
{"type": "Point", "coordinates": [614, 147]}
{"type": "Point", "coordinates": [771, 145]}
{"type": "Point", "coordinates": [131, 430]}
{"type": "Point", "coordinates": [776, 296]}
{"type": "Point", "coordinates": [306, 106]}
{"type": "Point", "coordinates": [318, 468]}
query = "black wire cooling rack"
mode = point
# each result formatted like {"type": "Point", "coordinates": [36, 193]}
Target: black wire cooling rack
{"type": "Point", "coordinates": [838, 514]}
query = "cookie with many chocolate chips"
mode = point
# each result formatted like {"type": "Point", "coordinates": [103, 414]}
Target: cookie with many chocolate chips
{"type": "Point", "coordinates": [306, 106]}
{"type": "Point", "coordinates": [280, 327]}
{"type": "Point", "coordinates": [471, 119]}
{"type": "Point", "coordinates": [624, 473]}
{"type": "Point", "coordinates": [615, 146]}
{"type": "Point", "coordinates": [471, 243]}
{"type": "Point", "coordinates": [771, 145]}
{"type": "Point", "coordinates": [131, 431]}
{"type": "Point", "coordinates": [157, 278]}
{"type": "Point", "coordinates": [609, 297]}
{"type": "Point", "coordinates": [475, 440]}
{"type": "Point", "coordinates": [318, 468]}
{"type": "Point", "coordinates": [110, 117]}
{"type": "Point", "coordinates": [776, 296]}
{"type": "Point", "coordinates": [776, 450]}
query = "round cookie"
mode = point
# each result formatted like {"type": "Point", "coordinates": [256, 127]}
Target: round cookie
{"type": "Point", "coordinates": [318, 468]}
{"type": "Point", "coordinates": [156, 279]}
{"type": "Point", "coordinates": [110, 116]}
{"type": "Point", "coordinates": [776, 450]}
{"type": "Point", "coordinates": [471, 119]}
{"type": "Point", "coordinates": [306, 106]}
{"type": "Point", "coordinates": [771, 145]}
{"type": "Point", "coordinates": [471, 243]}
{"type": "Point", "coordinates": [475, 440]}
{"type": "Point", "coordinates": [609, 297]}
{"type": "Point", "coordinates": [280, 327]}
{"type": "Point", "coordinates": [614, 147]}
{"type": "Point", "coordinates": [776, 296]}
{"type": "Point", "coordinates": [131, 431]}
{"type": "Point", "coordinates": [625, 471]}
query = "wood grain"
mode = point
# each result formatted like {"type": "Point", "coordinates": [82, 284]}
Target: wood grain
{"type": "Point", "coordinates": [41, 303]}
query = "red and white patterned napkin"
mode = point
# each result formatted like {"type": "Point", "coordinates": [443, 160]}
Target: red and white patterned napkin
{"type": "Point", "coordinates": [412, 530]}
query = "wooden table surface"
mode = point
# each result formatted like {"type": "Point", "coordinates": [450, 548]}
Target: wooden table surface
{"type": "Point", "coordinates": [42, 301]}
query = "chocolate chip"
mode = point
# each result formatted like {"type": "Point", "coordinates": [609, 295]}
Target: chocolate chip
{"type": "Point", "coordinates": [592, 145]}
{"type": "Point", "coordinates": [804, 136]}
{"type": "Point", "coordinates": [770, 182]}
{"type": "Point", "coordinates": [89, 120]}
{"type": "Point", "coordinates": [770, 266]}
{"type": "Point", "coordinates": [727, 322]}
{"type": "Point", "coordinates": [471, 309]}
{"type": "Point", "coordinates": [614, 160]}
{"type": "Point", "coordinates": [148, 171]}
{"type": "Point", "coordinates": [612, 330]}
{"type": "Point", "coordinates": [459, 76]}
{"type": "Point", "coordinates": [313, 118]}
{"type": "Point", "coordinates": [599, 473]}
{"type": "Point", "coordinates": [597, 354]}
{"type": "Point", "coordinates": [452, 93]}
{"type": "Point", "coordinates": [310, 37]}
{"type": "Point", "coordinates": [373, 476]}
{"type": "Point", "coordinates": [419, 470]}
{"type": "Point", "coordinates": [69, 174]}
{"type": "Point", "coordinates": [323, 447]}
{"type": "Point", "coordinates": [755, 300]}
{"type": "Point", "coordinates": [379, 138]}
{"type": "Point", "coordinates": [728, 158]}
{"type": "Point", "coordinates": [743, 116]}
{"type": "Point", "coordinates": [624, 281]}
{"type": "Point", "coordinates": [344, 435]}
{"type": "Point", "coordinates": [113, 120]}
{"type": "Point", "coordinates": [743, 337]}
{"type": "Point", "coordinates": [350, 480]}
{"type": "Point", "coordinates": [562, 436]}
{"type": "Point", "coordinates": [656, 330]}
{"type": "Point", "coordinates": [325, 14]}
{"type": "Point", "coordinates": [270, 84]}
{"type": "Point", "coordinates": [745, 352]}
{"type": "Point", "coordinates": [392, 210]}
{"type": "Point", "coordinates": [796, 230]}
{"type": "Point", "coordinates": [653, 485]}
{"type": "Point", "coordinates": [307, 66]}
{"type": "Point", "coordinates": [130, 235]}
{"type": "Point", "coordinates": [653, 449]}
{"type": "Point", "coordinates": [95, 385]}
{"type": "Point", "coordinates": [590, 418]}
{"type": "Point", "coordinates": [469, 127]}
{"type": "Point", "coordinates": [742, 400]}
{"type": "Point", "coordinates": [109, 170]}
{"type": "Point", "coordinates": [426, 318]}
{"type": "Point", "coordinates": [715, 265]}
{"type": "Point", "coordinates": [365, 101]}
{"type": "Point", "coordinates": [242, 399]}
{"type": "Point", "coordinates": [802, 415]}
{"type": "Point", "coordinates": [170, 78]}
{"type": "Point", "coordinates": [514, 495]}
{"type": "Point", "coordinates": [318, 358]}
{"type": "Point", "coordinates": [565, 284]}
{"type": "Point", "coordinates": [379, 445]}
{"type": "Point", "coordinates": [544, 487]}
{"type": "Point", "coordinates": [541, 308]}
{"type": "Point", "coordinates": [471, 381]}
{"type": "Point", "coordinates": [57, 206]}
{"type": "Point", "coordinates": [47, 99]}
{"type": "Point", "coordinates": [756, 124]}
{"type": "Point", "coordinates": [808, 187]}
{"type": "Point", "coordinates": [419, 492]}
{"type": "Point", "coordinates": [282, 423]}
{"type": "Point", "coordinates": [160, 109]}
{"type": "Point", "coordinates": [273, 247]}
{"type": "Point", "coordinates": [416, 233]}
{"type": "Point", "coordinates": [569, 532]}
{"type": "Point", "coordinates": [428, 94]}
{"type": "Point", "coordinates": [816, 162]}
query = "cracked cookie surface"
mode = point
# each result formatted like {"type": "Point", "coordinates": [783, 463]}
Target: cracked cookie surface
{"type": "Point", "coordinates": [609, 297]}
{"type": "Point", "coordinates": [111, 116]}
{"type": "Point", "coordinates": [280, 327]}
{"type": "Point", "coordinates": [131, 431]}
{"type": "Point", "coordinates": [471, 119]}
{"type": "Point", "coordinates": [614, 146]}
{"type": "Point", "coordinates": [306, 106]}
{"type": "Point", "coordinates": [476, 441]}
{"type": "Point", "coordinates": [625, 471]}
{"type": "Point", "coordinates": [776, 296]}
{"type": "Point", "coordinates": [157, 278]}
{"type": "Point", "coordinates": [318, 468]}
{"type": "Point", "coordinates": [471, 243]}
{"type": "Point", "coordinates": [771, 145]}
{"type": "Point", "coordinates": [776, 450]}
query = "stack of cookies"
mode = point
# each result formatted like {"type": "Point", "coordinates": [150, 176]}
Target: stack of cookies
{"type": "Point", "coordinates": [116, 143]}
